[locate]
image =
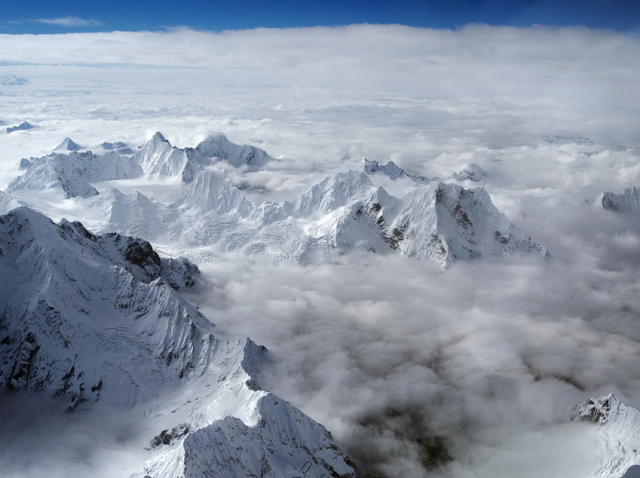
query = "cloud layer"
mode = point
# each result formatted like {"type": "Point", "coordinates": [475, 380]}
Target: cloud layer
{"type": "Point", "coordinates": [476, 60]}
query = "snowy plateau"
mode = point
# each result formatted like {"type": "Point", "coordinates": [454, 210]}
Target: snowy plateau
{"type": "Point", "coordinates": [92, 313]}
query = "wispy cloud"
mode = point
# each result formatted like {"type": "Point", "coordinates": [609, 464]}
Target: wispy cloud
{"type": "Point", "coordinates": [69, 22]}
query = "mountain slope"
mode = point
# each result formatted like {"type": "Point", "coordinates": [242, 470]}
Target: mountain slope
{"type": "Point", "coordinates": [92, 319]}
{"type": "Point", "coordinates": [619, 432]}
{"type": "Point", "coordinates": [217, 147]}
{"type": "Point", "coordinates": [628, 201]}
{"type": "Point", "coordinates": [72, 173]}
{"type": "Point", "coordinates": [68, 145]}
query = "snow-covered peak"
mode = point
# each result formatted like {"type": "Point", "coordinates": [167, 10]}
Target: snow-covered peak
{"type": "Point", "coordinates": [609, 412]}
{"type": "Point", "coordinates": [73, 172]}
{"type": "Point", "coordinates": [68, 145]}
{"type": "Point", "coordinates": [217, 147]}
{"type": "Point", "coordinates": [158, 157]}
{"type": "Point", "coordinates": [51, 174]}
{"type": "Point", "coordinates": [158, 138]}
{"type": "Point", "coordinates": [391, 170]}
{"type": "Point", "coordinates": [471, 172]}
{"type": "Point", "coordinates": [619, 433]}
{"type": "Point", "coordinates": [210, 192]}
{"type": "Point", "coordinates": [13, 80]}
{"type": "Point", "coordinates": [446, 222]}
{"type": "Point", "coordinates": [25, 125]}
{"type": "Point", "coordinates": [628, 201]}
{"type": "Point", "coordinates": [334, 192]}
{"type": "Point", "coordinates": [474, 227]}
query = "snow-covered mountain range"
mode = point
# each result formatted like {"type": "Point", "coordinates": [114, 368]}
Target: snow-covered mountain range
{"type": "Point", "coordinates": [213, 219]}
{"type": "Point", "coordinates": [97, 320]}
{"type": "Point", "coordinates": [93, 314]}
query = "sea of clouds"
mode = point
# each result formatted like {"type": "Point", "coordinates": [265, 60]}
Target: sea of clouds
{"type": "Point", "coordinates": [470, 372]}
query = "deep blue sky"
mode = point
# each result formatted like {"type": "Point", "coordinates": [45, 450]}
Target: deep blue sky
{"type": "Point", "coordinates": [23, 16]}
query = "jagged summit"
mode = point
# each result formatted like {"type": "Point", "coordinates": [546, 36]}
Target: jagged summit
{"type": "Point", "coordinates": [390, 170]}
{"type": "Point", "coordinates": [157, 156]}
{"type": "Point", "coordinates": [73, 173]}
{"type": "Point", "coordinates": [332, 193]}
{"type": "Point", "coordinates": [216, 147]}
{"type": "Point", "coordinates": [619, 433]}
{"type": "Point", "coordinates": [626, 202]}
{"type": "Point", "coordinates": [117, 146]}
{"type": "Point", "coordinates": [24, 126]}
{"type": "Point", "coordinates": [157, 136]}
{"type": "Point", "coordinates": [471, 172]}
{"type": "Point", "coordinates": [95, 321]}
{"type": "Point", "coordinates": [68, 145]}
{"type": "Point", "coordinates": [211, 192]}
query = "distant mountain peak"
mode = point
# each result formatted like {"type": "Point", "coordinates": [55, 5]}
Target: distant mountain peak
{"type": "Point", "coordinates": [626, 202]}
{"type": "Point", "coordinates": [25, 125]}
{"type": "Point", "coordinates": [471, 172]}
{"type": "Point", "coordinates": [13, 80]}
{"type": "Point", "coordinates": [68, 145]}
{"type": "Point", "coordinates": [391, 170]}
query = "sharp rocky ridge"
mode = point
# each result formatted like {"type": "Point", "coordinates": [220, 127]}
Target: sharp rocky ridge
{"type": "Point", "coordinates": [96, 320]}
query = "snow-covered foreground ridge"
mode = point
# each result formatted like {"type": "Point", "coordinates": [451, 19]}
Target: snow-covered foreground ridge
{"type": "Point", "coordinates": [96, 320]}
{"type": "Point", "coordinates": [213, 219]}
{"type": "Point", "coordinates": [618, 432]}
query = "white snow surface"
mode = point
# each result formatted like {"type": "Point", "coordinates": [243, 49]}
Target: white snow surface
{"type": "Point", "coordinates": [92, 319]}
{"type": "Point", "coordinates": [618, 435]}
